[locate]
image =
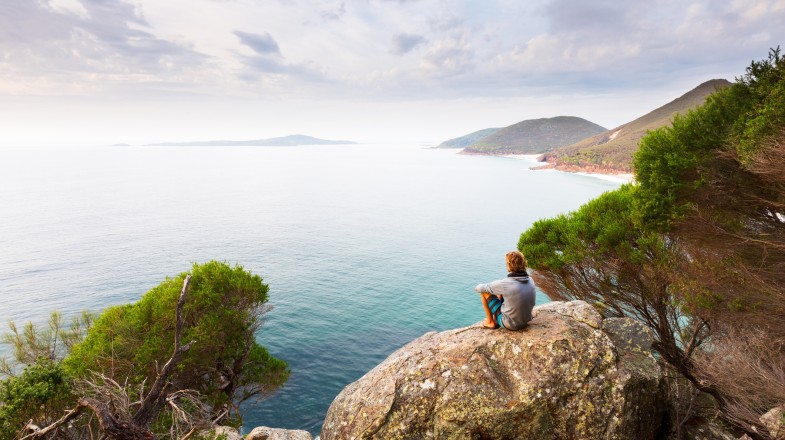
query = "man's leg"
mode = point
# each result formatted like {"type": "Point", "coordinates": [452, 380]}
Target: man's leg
{"type": "Point", "coordinates": [489, 321]}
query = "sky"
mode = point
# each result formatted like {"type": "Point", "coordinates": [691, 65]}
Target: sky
{"type": "Point", "coordinates": [142, 71]}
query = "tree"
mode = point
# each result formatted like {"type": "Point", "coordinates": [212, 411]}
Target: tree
{"type": "Point", "coordinates": [126, 374]}
{"type": "Point", "coordinates": [52, 342]}
{"type": "Point", "coordinates": [221, 316]}
{"type": "Point", "coordinates": [697, 248]}
{"type": "Point", "coordinates": [39, 393]}
{"type": "Point", "coordinates": [728, 215]}
{"type": "Point", "coordinates": [601, 254]}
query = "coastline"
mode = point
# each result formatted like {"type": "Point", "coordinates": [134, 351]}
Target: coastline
{"type": "Point", "coordinates": [618, 178]}
{"type": "Point", "coordinates": [543, 166]}
{"type": "Point", "coordinates": [529, 157]}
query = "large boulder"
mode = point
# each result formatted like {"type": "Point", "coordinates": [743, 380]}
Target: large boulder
{"type": "Point", "coordinates": [568, 375]}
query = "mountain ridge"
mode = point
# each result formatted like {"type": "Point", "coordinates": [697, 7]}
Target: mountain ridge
{"type": "Point", "coordinates": [613, 150]}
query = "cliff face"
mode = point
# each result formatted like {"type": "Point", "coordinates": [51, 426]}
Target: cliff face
{"type": "Point", "coordinates": [569, 375]}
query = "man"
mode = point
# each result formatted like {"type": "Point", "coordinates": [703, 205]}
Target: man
{"type": "Point", "coordinates": [509, 302]}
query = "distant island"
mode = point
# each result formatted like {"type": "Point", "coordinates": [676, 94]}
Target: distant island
{"type": "Point", "coordinates": [285, 141]}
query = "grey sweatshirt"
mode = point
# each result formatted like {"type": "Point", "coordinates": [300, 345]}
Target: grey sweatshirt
{"type": "Point", "coordinates": [519, 296]}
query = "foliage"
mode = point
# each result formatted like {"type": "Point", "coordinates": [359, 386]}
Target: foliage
{"type": "Point", "coordinates": [602, 254]}
{"type": "Point", "coordinates": [51, 342]}
{"type": "Point", "coordinates": [765, 81]}
{"type": "Point", "coordinates": [696, 249]}
{"type": "Point", "coordinates": [672, 161]}
{"type": "Point", "coordinates": [222, 313]}
{"type": "Point", "coordinates": [667, 161]}
{"type": "Point", "coordinates": [39, 393]}
{"type": "Point", "coordinates": [180, 359]}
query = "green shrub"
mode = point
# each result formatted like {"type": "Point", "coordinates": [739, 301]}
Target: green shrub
{"type": "Point", "coordinates": [222, 314]}
{"type": "Point", "coordinates": [40, 393]}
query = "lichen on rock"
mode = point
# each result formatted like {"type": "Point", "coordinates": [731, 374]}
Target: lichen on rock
{"type": "Point", "coordinates": [266, 433]}
{"type": "Point", "coordinates": [563, 377]}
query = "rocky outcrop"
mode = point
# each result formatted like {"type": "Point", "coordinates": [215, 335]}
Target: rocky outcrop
{"type": "Point", "coordinates": [265, 433]}
{"type": "Point", "coordinates": [568, 375]}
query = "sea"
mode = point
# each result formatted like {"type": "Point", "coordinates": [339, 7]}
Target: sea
{"type": "Point", "coordinates": [364, 247]}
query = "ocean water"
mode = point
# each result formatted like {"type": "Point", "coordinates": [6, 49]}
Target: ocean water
{"type": "Point", "coordinates": [364, 247]}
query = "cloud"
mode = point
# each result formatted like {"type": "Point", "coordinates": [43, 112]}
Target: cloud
{"type": "Point", "coordinates": [599, 15]}
{"type": "Point", "coordinates": [405, 43]}
{"type": "Point", "coordinates": [335, 13]}
{"type": "Point", "coordinates": [63, 41]}
{"type": "Point", "coordinates": [444, 23]}
{"type": "Point", "coordinates": [263, 44]}
{"type": "Point", "coordinates": [612, 45]}
{"type": "Point", "coordinates": [448, 56]}
{"type": "Point", "coordinates": [268, 61]}
{"type": "Point", "coordinates": [378, 48]}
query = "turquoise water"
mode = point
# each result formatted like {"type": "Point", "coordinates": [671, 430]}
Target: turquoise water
{"type": "Point", "coordinates": [365, 247]}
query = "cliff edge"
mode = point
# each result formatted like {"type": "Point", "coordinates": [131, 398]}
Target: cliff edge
{"type": "Point", "coordinates": [570, 374]}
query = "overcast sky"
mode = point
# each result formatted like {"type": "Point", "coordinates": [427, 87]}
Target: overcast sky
{"type": "Point", "coordinates": [137, 71]}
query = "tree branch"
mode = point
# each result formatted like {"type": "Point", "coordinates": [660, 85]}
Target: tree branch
{"type": "Point", "coordinates": [69, 415]}
{"type": "Point", "coordinates": [152, 402]}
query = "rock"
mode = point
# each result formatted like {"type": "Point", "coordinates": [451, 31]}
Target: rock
{"type": "Point", "coordinates": [221, 432]}
{"type": "Point", "coordinates": [563, 377]}
{"type": "Point", "coordinates": [774, 421]}
{"type": "Point", "coordinates": [581, 311]}
{"type": "Point", "coordinates": [265, 433]}
{"type": "Point", "coordinates": [706, 430]}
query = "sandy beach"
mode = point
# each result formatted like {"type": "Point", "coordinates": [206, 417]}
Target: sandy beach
{"type": "Point", "coordinates": [618, 178]}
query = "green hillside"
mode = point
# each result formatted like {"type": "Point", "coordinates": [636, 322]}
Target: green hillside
{"type": "Point", "coordinates": [535, 136]}
{"type": "Point", "coordinates": [613, 150]}
{"type": "Point", "coordinates": [466, 140]}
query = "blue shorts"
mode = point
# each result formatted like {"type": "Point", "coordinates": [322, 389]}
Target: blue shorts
{"type": "Point", "coordinates": [495, 304]}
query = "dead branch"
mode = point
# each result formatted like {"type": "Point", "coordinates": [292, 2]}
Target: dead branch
{"type": "Point", "coordinates": [152, 402]}
{"type": "Point", "coordinates": [41, 432]}
{"type": "Point", "coordinates": [113, 428]}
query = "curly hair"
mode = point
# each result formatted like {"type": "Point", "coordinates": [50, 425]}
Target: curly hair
{"type": "Point", "coordinates": [516, 262]}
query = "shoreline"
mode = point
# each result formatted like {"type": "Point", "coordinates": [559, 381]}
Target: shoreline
{"type": "Point", "coordinates": [529, 157]}
{"type": "Point", "coordinates": [545, 166]}
{"type": "Point", "coordinates": [622, 178]}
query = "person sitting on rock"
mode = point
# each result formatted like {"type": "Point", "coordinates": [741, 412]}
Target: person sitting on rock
{"type": "Point", "coordinates": [509, 302]}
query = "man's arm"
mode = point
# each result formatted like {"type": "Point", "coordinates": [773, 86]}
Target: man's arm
{"type": "Point", "coordinates": [494, 288]}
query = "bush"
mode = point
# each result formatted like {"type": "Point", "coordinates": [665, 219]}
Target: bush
{"type": "Point", "coordinates": [40, 393]}
{"type": "Point", "coordinates": [222, 314]}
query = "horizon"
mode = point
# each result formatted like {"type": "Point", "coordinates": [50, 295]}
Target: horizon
{"type": "Point", "coordinates": [85, 72]}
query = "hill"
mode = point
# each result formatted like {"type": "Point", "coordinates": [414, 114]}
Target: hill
{"type": "Point", "coordinates": [535, 136]}
{"type": "Point", "coordinates": [285, 141]}
{"type": "Point", "coordinates": [612, 150]}
{"type": "Point", "coordinates": [466, 140]}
